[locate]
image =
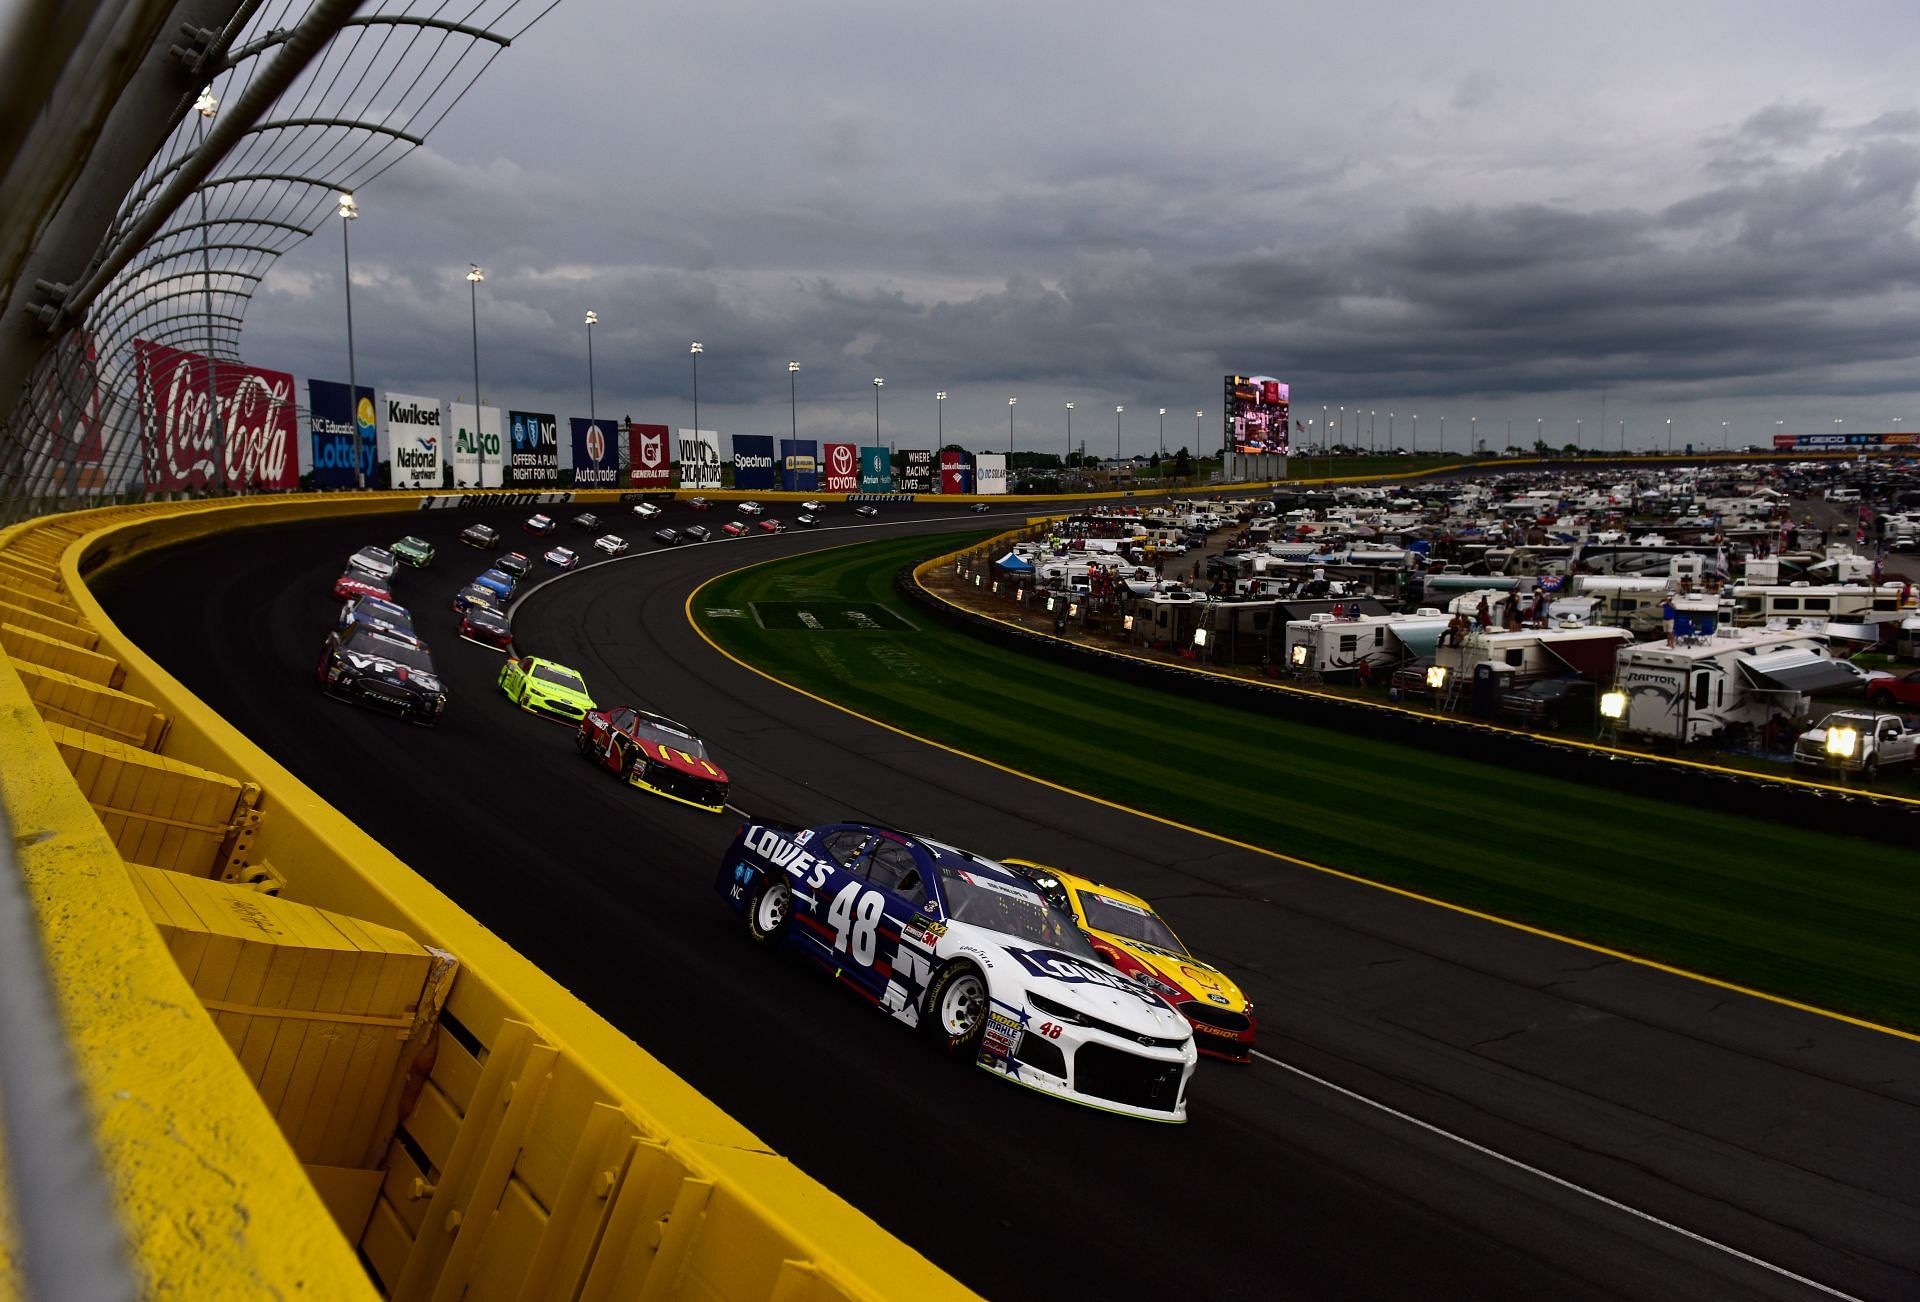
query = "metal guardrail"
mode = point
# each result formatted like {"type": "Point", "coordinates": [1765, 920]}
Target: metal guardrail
{"type": "Point", "coordinates": [70, 1244]}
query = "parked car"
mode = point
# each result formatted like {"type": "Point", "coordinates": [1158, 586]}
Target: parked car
{"type": "Point", "coordinates": [1550, 703]}
{"type": "Point", "coordinates": [1858, 741]}
{"type": "Point", "coordinates": [1885, 690]}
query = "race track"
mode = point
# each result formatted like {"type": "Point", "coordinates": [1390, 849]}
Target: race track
{"type": "Point", "coordinates": [1732, 1144]}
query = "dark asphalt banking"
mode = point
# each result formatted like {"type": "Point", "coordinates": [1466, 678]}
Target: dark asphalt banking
{"type": "Point", "coordinates": [1787, 1140]}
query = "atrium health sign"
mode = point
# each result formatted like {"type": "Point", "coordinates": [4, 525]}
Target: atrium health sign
{"type": "Point", "coordinates": [536, 447]}
{"type": "Point", "coordinates": [413, 436]}
{"type": "Point", "coordinates": [650, 458]}
{"type": "Point", "coordinates": [876, 470]}
{"type": "Point", "coordinates": [335, 419]}
{"type": "Point", "coordinates": [251, 446]}
{"type": "Point", "coordinates": [800, 465]}
{"type": "Point", "coordinates": [840, 471]}
{"type": "Point", "coordinates": [596, 453]}
{"type": "Point", "coordinates": [753, 462]}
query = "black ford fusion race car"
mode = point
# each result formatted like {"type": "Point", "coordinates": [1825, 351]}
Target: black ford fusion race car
{"type": "Point", "coordinates": [966, 949]}
{"type": "Point", "coordinates": [382, 670]}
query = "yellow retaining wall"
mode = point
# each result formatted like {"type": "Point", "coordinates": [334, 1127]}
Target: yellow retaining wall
{"type": "Point", "coordinates": [557, 1152]}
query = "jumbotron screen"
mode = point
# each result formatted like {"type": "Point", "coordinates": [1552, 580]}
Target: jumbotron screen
{"type": "Point", "coordinates": [1256, 408]}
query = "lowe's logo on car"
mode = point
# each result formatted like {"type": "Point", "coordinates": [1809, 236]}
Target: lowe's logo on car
{"type": "Point", "coordinates": [782, 853]}
{"type": "Point", "coordinates": [1065, 967]}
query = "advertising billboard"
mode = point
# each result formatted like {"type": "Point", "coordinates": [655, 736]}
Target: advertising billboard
{"type": "Point", "coordinates": [476, 447]}
{"type": "Point", "coordinates": [699, 458]}
{"type": "Point", "coordinates": [753, 462]}
{"type": "Point", "coordinates": [1256, 414]}
{"type": "Point", "coordinates": [953, 472]}
{"type": "Point", "coordinates": [1831, 442]}
{"type": "Point", "coordinates": [252, 446]}
{"type": "Point", "coordinates": [916, 470]}
{"type": "Point", "coordinates": [876, 470]}
{"type": "Point", "coordinates": [413, 434]}
{"type": "Point", "coordinates": [840, 468]}
{"type": "Point", "coordinates": [64, 395]}
{"type": "Point", "coordinates": [596, 453]}
{"type": "Point", "coordinates": [535, 455]}
{"type": "Point", "coordinates": [649, 457]}
{"type": "Point", "coordinates": [333, 418]}
{"type": "Point", "coordinates": [800, 465]}
{"type": "Point", "coordinates": [990, 472]}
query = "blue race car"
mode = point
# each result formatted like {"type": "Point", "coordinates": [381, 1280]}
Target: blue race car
{"type": "Point", "coordinates": [968, 950]}
{"type": "Point", "coordinates": [497, 582]}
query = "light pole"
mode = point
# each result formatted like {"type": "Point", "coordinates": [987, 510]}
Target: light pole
{"type": "Point", "coordinates": [1323, 421]}
{"type": "Point", "coordinates": [1473, 434]}
{"type": "Point", "coordinates": [1836, 424]}
{"type": "Point", "coordinates": [1669, 436]}
{"type": "Point", "coordinates": [1010, 402]}
{"type": "Point", "coordinates": [878, 384]}
{"type": "Point", "coordinates": [1371, 417]}
{"type": "Point", "coordinates": [593, 411]}
{"type": "Point", "coordinates": [207, 106]}
{"type": "Point", "coordinates": [1413, 445]}
{"type": "Point", "coordinates": [793, 399]}
{"type": "Point", "coordinates": [1343, 421]}
{"type": "Point", "coordinates": [1163, 433]}
{"type": "Point", "coordinates": [1539, 435]}
{"type": "Point", "coordinates": [1063, 464]}
{"type": "Point", "coordinates": [939, 417]}
{"type": "Point", "coordinates": [349, 210]}
{"type": "Point", "coordinates": [1579, 433]}
{"type": "Point", "coordinates": [1196, 427]}
{"type": "Point", "coordinates": [474, 277]}
{"type": "Point", "coordinates": [1116, 431]}
{"type": "Point", "coordinates": [1623, 438]}
{"type": "Point", "coordinates": [694, 350]}
{"type": "Point", "coordinates": [1443, 436]}
{"type": "Point", "coordinates": [1392, 443]}
{"type": "Point", "coordinates": [1726, 444]}
{"type": "Point", "coordinates": [1896, 424]}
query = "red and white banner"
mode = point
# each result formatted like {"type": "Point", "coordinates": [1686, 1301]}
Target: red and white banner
{"type": "Point", "coordinates": [840, 472]}
{"type": "Point", "coordinates": [953, 473]}
{"type": "Point", "coordinates": [651, 456]}
{"type": "Point", "coordinates": [251, 447]}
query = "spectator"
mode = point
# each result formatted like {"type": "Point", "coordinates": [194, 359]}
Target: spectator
{"type": "Point", "coordinates": [1456, 630]}
{"type": "Point", "coordinates": [1667, 616]}
{"type": "Point", "coordinates": [1482, 616]}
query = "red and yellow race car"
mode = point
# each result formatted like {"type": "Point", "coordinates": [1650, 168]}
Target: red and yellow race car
{"type": "Point", "coordinates": [1127, 933]}
{"type": "Point", "coordinates": [654, 753]}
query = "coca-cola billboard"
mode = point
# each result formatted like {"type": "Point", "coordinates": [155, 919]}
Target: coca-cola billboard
{"type": "Point", "coordinates": [251, 447]}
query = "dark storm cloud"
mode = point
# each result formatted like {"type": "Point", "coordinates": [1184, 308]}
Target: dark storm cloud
{"type": "Point", "coordinates": [1121, 212]}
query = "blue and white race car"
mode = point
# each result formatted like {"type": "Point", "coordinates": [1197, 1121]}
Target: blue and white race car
{"type": "Point", "coordinates": [966, 949]}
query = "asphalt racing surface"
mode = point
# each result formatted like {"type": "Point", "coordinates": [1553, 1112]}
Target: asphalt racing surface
{"type": "Point", "coordinates": [1444, 1106]}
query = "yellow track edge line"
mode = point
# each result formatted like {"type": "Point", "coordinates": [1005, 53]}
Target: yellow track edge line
{"type": "Point", "coordinates": [1343, 875]}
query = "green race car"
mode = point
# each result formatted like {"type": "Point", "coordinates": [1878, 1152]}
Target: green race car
{"type": "Point", "coordinates": [417, 552]}
{"type": "Point", "coordinates": [545, 688]}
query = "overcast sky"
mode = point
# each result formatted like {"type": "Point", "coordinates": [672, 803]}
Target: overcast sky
{"type": "Point", "coordinates": [1704, 212]}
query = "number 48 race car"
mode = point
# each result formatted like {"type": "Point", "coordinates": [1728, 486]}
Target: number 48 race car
{"type": "Point", "coordinates": [967, 950]}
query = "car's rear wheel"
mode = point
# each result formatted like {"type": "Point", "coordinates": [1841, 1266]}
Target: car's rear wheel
{"type": "Point", "coordinates": [769, 910]}
{"type": "Point", "coordinates": [1871, 769]}
{"type": "Point", "coordinates": [956, 1009]}
{"type": "Point", "coordinates": [1882, 700]}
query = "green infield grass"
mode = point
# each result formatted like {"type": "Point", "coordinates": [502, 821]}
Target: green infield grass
{"type": "Point", "coordinates": [1803, 915]}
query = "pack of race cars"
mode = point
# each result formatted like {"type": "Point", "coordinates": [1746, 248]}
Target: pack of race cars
{"type": "Point", "coordinates": [1041, 976]}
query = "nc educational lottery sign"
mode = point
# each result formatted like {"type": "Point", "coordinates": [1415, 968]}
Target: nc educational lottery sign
{"type": "Point", "coordinates": [596, 453]}
{"type": "Point", "coordinates": [476, 447]}
{"type": "Point", "coordinates": [840, 469]}
{"type": "Point", "coordinates": [536, 447]}
{"type": "Point", "coordinates": [650, 458]}
{"type": "Point", "coordinates": [699, 458]}
{"type": "Point", "coordinates": [876, 470]}
{"type": "Point", "coordinates": [252, 446]}
{"type": "Point", "coordinates": [333, 418]}
{"type": "Point", "coordinates": [753, 462]}
{"type": "Point", "coordinates": [953, 472]}
{"type": "Point", "coordinates": [413, 434]}
{"type": "Point", "coordinates": [990, 472]}
{"type": "Point", "coordinates": [916, 470]}
{"type": "Point", "coordinates": [800, 465]}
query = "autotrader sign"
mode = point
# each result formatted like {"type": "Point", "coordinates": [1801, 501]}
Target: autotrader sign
{"type": "Point", "coordinates": [536, 447]}
{"type": "Point", "coordinates": [841, 473]}
{"type": "Point", "coordinates": [179, 440]}
{"type": "Point", "coordinates": [413, 433]}
{"type": "Point", "coordinates": [596, 453]}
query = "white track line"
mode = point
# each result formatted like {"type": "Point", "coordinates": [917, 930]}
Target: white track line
{"type": "Point", "coordinates": [1563, 1183]}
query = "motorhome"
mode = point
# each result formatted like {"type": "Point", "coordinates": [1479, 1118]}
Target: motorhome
{"type": "Point", "coordinates": [1523, 654]}
{"type": "Point", "coordinates": [1737, 678]}
{"type": "Point", "coordinates": [1324, 646]}
{"type": "Point", "coordinates": [1797, 604]}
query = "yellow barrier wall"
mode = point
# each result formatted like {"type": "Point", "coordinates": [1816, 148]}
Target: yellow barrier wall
{"type": "Point", "coordinates": [567, 1153]}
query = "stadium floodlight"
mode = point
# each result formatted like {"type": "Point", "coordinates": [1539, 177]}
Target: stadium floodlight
{"type": "Point", "coordinates": [1613, 705]}
{"type": "Point", "coordinates": [1300, 654]}
{"type": "Point", "coordinates": [593, 319]}
{"type": "Point", "coordinates": [1436, 676]}
{"type": "Point", "coordinates": [349, 211]}
{"type": "Point", "coordinates": [474, 277]}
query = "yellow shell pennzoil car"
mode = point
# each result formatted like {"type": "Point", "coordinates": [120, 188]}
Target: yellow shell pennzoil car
{"type": "Point", "coordinates": [1127, 933]}
{"type": "Point", "coordinates": [545, 687]}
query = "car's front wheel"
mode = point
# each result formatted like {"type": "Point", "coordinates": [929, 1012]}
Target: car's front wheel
{"type": "Point", "coordinates": [1882, 700]}
{"type": "Point", "coordinates": [769, 909]}
{"type": "Point", "coordinates": [956, 1010]}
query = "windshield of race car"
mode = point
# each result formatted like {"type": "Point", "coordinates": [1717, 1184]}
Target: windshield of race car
{"type": "Point", "coordinates": [665, 732]}
{"type": "Point", "coordinates": [1121, 918]}
{"type": "Point", "coordinates": [373, 642]}
{"type": "Point", "coordinates": [481, 617]}
{"type": "Point", "coordinates": [983, 901]}
{"type": "Point", "coordinates": [560, 677]}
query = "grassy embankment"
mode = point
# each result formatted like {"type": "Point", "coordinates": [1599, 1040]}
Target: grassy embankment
{"type": "Point", "coordinates": [1762, 904]}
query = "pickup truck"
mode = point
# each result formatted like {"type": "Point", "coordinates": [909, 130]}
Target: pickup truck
{"type": "Point", "coordinates": [1883, 741]}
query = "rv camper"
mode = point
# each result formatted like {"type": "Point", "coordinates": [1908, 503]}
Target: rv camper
{"type": "Point", "coordinates": [1739, 677]}
{"type": "Point", "coordinates": [1530, 653]}
{"type": "Point", "coordinates": [1323, 646]}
